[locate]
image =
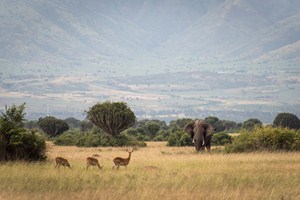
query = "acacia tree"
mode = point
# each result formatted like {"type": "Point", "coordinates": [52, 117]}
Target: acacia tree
{"type": "Point", "coordinates": [111, 117]}
{"type": "Point", "coordinates": [52, 126]}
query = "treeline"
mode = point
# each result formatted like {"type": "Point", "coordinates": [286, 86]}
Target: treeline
{"type": "Point", "coordinates": [84, 133]}
{"type": "Point", "coordinates": [71, 131]}
{"type": "Point", "coordinates": [114, 124]}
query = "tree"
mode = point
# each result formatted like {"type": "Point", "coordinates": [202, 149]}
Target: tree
{"type": "Point", "coordinates": [86, 125]}
{"type": "Point", "coordinates": [11, 120]}
{"type": "Point", "coordinates": [287, 120]}
{"type": "Point", "coordinates": [251, 123]}
{"type": "Point", "coordinates": [180, 138]}
{"type": "Point", "coordinates": [211, 120]}
{"type": "Point", "coordinates": [31, 124]}
{"type": "Point", "coordinates": [15, 141]}
{"type": "Point", "coordinates": [229, 125]}
{"type": "Point", "coordinates": [152, 128]}
{"type": "Point", "coordinates": [215, 122]}
{"type": "Point", "coordinates": [179, 124]}
{"type": "Point", "coordinates": [52, 126]}
{"type": "Point", "coordinates": [111, 117]}
{"type": "Point", "coordinates": [72, 122]}
{"type": "Point", "coordinates": [221, 139]}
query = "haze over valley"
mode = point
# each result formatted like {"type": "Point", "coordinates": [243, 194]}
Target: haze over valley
{"type": "Point", "coordinates": [234, 59]}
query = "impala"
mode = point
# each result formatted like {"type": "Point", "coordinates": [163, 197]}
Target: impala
{"type": "Point", "coordinates": [61, 161]}
{"type": "Point", "coordinates": [90, 161]}
{"type": "Point", "coordinates": [122, 161]}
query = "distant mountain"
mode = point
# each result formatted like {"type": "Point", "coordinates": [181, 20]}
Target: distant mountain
{"type": "Point", "coordinates": [63, 31]}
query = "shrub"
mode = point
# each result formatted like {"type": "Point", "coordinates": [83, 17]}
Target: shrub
{"type": "Point", "coordinates": [265, 139]}
{"type": "Point", "coordinates": [221, 139]}
{"type": "Point", "coordinates": [94, 139]}
{"type": "Point", "coordinates": [26, 145]}
{"type": "Point", "coordinates": [16, 142]}
{"type": "Point", "coordinates": [180, 138]}
{"type": "Point", "coordinates": [251, 124]}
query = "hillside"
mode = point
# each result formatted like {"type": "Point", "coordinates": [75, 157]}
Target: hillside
{"type": "Point", "coordinates": [49, 31]}
{"type": "Point", "coordinates": [235, 59]}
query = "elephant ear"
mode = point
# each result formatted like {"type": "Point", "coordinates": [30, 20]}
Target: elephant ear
{"type": "Point", "coordinates": [189, 129]}
{"type": "Point", "coordinates": [210, 130]}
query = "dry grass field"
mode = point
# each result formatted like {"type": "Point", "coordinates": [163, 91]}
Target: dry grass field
{"type": "Point", "coordinates": [154, 172]}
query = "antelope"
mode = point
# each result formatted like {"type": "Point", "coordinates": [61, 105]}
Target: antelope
{"type": "Point", "coordinates": [61, 161]}
{"type": "Point", "coordinates": [92, 161]}
{"type": "Point", "coordinates": [122, 161]}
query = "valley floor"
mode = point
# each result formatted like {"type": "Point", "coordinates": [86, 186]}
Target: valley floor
{"type": "Point", "coordinates": [155, 172]}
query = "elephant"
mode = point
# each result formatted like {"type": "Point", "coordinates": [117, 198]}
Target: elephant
{"type": "Point", "coordinates": [201, 132]}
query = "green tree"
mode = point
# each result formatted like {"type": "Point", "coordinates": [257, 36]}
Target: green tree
{"type": "Point", "coordinates": [179, 124]}
{"type": "Point", "coordinates": [10, 122]}
{"type": "Point", "coordinates": [15, 141]}
{"type": "Point", "coordinates": [52, 126]}
{"type": "Point", "coordinates": [86, 125]}
{"type": "Point", "coordinates": [287, 120]}
{"type": "Point", "coordinates": [152, 128]}
{"type": "Point", "coordinates": [180, 138]}
{"type": "Point", "coordinates": [72, 122]}
{"type": "Point", "coordinates": [229, 125]}
{"type": "Point", "coordinates": [211, 120]}
{"type": "Point", "coordinates": [221, 139]}
{"type": "Point", "coordinates": [31, 124]}
{"type": "Point", "coordinates": [111, 117]}
{"type": "Point", "coordinates": [215, 122]}
{"type": "Point", "coordinates": [251, 123]}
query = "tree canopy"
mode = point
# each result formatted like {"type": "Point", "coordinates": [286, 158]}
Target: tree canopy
{"type": "Point", "coordinates": [287, 120]}
{"type": "Point", "coordinates": [251, 124]}
{"type": "Point", "coordinates": [15, 141]}
{"type": "Point", "coordinates": [111, 117]}
{"type": "Point", "coordinates": [52, 126]}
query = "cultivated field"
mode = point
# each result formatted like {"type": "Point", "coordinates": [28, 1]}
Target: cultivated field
{"type": "Point", "coordinates": [155, 172]}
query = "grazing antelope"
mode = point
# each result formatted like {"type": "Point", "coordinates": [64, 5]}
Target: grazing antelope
{"type": "Point", "coordinates": [61, 161]}
{"type": "Point", "coordinates": [92, 161]}
{"type": "Point", "coordinates": [122, 161]}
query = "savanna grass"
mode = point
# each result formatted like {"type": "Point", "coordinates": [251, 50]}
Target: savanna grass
{"type": "Point", "coordinates": [155, 172]}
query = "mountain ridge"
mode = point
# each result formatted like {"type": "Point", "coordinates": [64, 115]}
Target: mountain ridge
{"type": "Point", "coordinates": [81, 30]}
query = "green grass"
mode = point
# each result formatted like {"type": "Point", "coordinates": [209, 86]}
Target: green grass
{"type": "Point", "coordinates": [178, 173]}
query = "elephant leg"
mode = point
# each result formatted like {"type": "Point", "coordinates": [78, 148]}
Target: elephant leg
{"type": "Point", "coordinates": [207, 143]}
{"type": "Point", "coordinates": [199, 145]}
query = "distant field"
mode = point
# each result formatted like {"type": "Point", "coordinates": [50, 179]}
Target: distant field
{"type": "Point", "coordinates": [175, 173]}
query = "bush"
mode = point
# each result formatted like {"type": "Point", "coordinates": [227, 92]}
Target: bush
{"type": "Point", "coordinates": [94, 139]}
{"type": "Point", "coordinates": [16, 142]}
{"type": "Point", "coordinates": [265, 139]}
{"type": "Point", "coordinates": [180, 138]}
{"type": "Point", "coordinates": [251, 124]}
{"type": "Point", "coordinates": [26, 145]}
{"type": "Point", "coordinates": [219, 139]}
